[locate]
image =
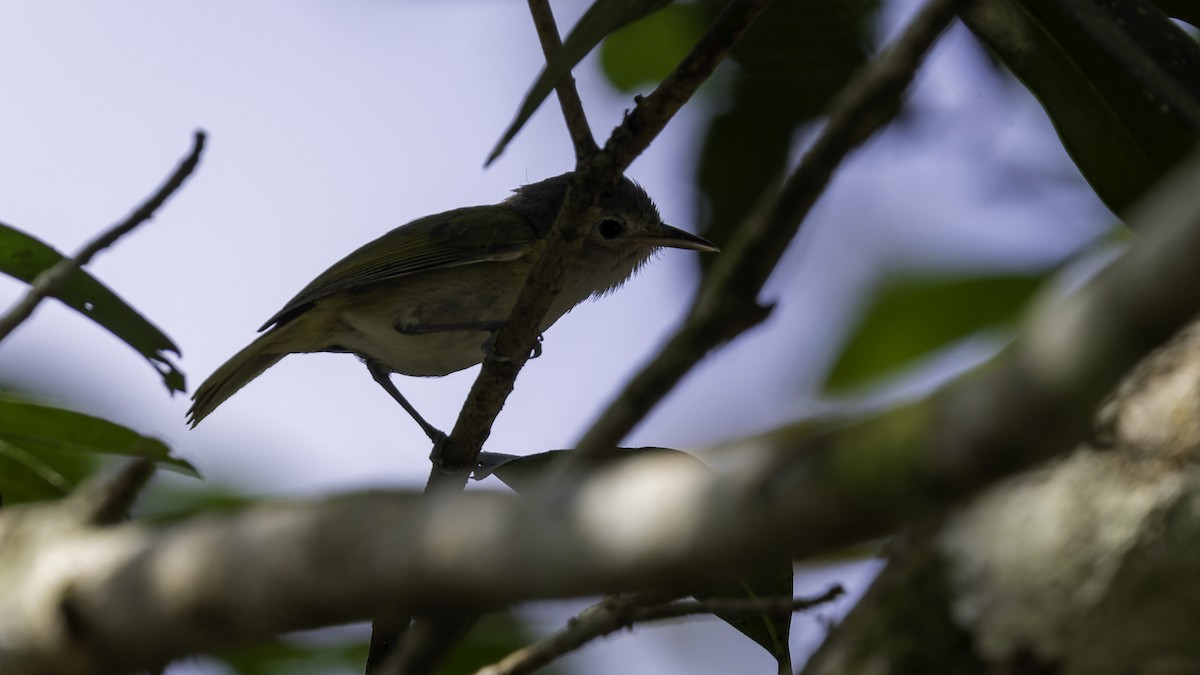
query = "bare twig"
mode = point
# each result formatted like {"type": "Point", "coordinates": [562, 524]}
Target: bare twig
{"type": "Point", "coordinates": [616, 614]}
{"type": "Point", "coordinates": [568, 95]}
{"type": "Point", "coordinates": [727, 304]}
{"type": "Point", "coordinates": [643, 124]}
{"type": "Point", "coordinates": [49, 281]}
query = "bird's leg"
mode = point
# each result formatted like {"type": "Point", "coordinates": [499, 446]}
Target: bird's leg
{"type": "Point", "coordinates": [382, 375]}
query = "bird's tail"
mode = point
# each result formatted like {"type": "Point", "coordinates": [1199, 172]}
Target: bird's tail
{"type": "Point", "coordinates": [235, 374]}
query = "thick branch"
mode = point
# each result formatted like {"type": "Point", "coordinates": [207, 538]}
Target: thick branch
{"type": "Point", "coordinates": [727, 304]}
{"type": "Point", "coordinates": [49, 281]}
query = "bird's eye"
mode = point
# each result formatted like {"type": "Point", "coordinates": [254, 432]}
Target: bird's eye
{"type": "Point", "coordinates": [610, 228]}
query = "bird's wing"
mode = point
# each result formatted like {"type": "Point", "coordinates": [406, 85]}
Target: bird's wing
{"type": "Point", "coordinates": [460, 237]}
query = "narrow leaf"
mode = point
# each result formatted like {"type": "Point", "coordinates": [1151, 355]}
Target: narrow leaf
{"type": "Point", "coordinates": [24, 257]}
{"type": "Point", "coordinates": [912, 318]}
{"type": "Point", "coordinates": [602, 18]}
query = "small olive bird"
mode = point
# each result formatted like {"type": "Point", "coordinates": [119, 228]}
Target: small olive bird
{"type": "Point", "coordinates": [426, 298]}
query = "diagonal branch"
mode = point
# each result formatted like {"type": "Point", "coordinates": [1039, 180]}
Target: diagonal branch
{"type": "Point", "coordinates": [49, 281]}
{"type": "Point", "coordinates": [568, 95]}
{"type": "Point", "coordinates": [727, 304]}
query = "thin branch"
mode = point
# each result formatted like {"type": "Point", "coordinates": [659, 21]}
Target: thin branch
{"type": "Point", "coordinates": [48, 282]}
{"type": "Point", "coordinates": [643, 124]}
{"type": "Point", "coordinates": [727, 304]}
{"type": "Point", "coordinates": [568, 95]}
{"type": "Point", "coordinates": [613, 615]}
{"type": "Point", "coordinates": [459, 453]}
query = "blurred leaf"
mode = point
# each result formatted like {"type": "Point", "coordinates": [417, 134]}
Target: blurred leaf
{"type": "Point", "coordinates": [913, 317]}
{"type": "Point", "coordinates": [46, 475]}
{"type": "Point", "coordinates": [771, 631]}
{"type": "Point", "coordinates": [791, 63]}
{"type": "Point", "coordinates": [1119, 80]}
{"type": "Point", "coordinates": [47, 450]}
{"type": "Point", "coordinates": [177, 503]}
{"type": "Point", "coordinates": [24, 257]}
{"type": "Point", "coordinates": [646, 51]}
{"type": "Point", "coordinates": [602, 18]}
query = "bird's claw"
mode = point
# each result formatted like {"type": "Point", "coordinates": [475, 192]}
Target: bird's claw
{"type": "Point", "coordinates": [489, 349]}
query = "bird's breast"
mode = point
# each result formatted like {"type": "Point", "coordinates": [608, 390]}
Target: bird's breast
{"type": "Point", "coordinates": [418, 325]}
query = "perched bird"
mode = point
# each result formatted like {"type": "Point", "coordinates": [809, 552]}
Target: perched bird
{"type": "Point", "coordinates": [425, 298]}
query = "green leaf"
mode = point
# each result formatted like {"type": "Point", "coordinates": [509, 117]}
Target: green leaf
{"type": "Point", "coordinates": [44, 475]}
{"type": "Point", "coordinates": [913, 317]}
{"type": "Point", "coordinates": [602, 18]}
{"type": "Point", "coordinates": [791, 63]}
{"type": "Point", "coordinates": [771, 631]}
{"type": "Point", "coordinates": [646, 51]}
{"type": "Point", "coordinates": [24, 257]}
{"type": "Point", "coordinates": [1118, 79]}
{"type": "Point", "coordinates": [45, 451]}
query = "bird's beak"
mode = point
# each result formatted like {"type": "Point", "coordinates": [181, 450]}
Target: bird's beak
{"type": "Point", "coordinates": [673, 237]}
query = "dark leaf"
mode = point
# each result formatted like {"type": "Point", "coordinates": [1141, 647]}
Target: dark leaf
{"type": "Point", "coordinates": [1119, 80]}
{"type": "Point", "coordinates": [24, 257]}
{"type": "Point", "coordinates": [791, 63]}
